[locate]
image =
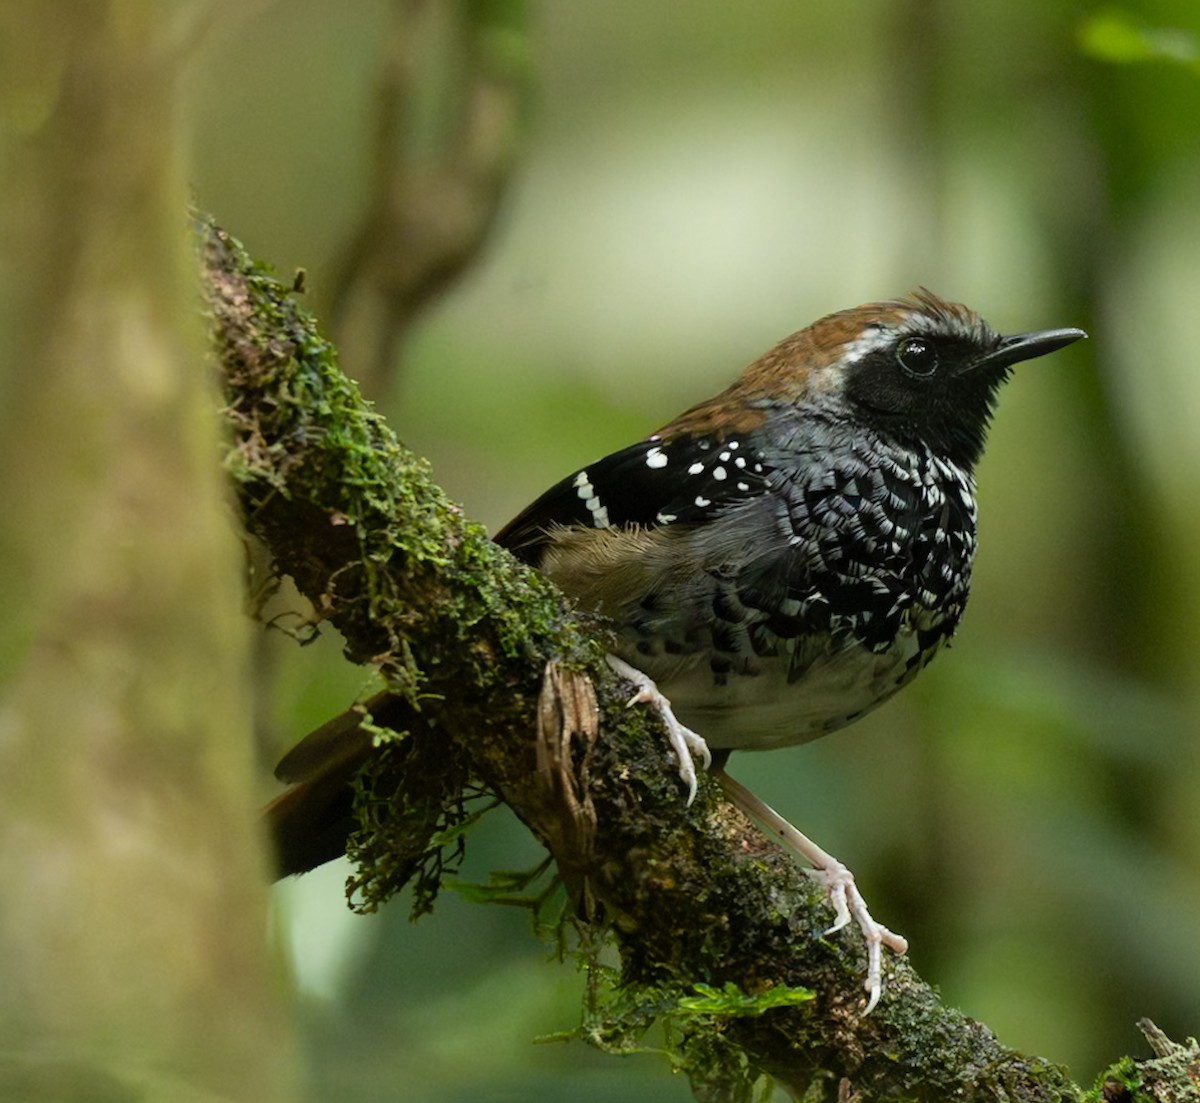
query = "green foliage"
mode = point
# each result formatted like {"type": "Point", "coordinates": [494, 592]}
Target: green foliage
{"type": "Point", "coordinates": [1117, 37]}
{"type": "Point", "coordinates": [511, 888]}
{"type": "Point", "coordinates": [618, 1018]}
{"type": "Point", "coordinates": [1121, 1081]}
{"type": "Point", "coordinates": [731, 1000]}
{"type": "Point", "coordinates": [411, 831]}
{"type": "Point", "coordinates": [717, 1069]}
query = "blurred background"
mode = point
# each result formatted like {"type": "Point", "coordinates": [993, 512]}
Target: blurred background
{"type": "Point", "coordinates": [653, 194]}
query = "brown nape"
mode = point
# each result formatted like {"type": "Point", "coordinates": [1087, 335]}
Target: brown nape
{"type": "Point", "coordinates": [310, 822]}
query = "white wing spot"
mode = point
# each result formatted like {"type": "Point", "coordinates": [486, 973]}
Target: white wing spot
{"type": "Point", "coordinates": [656, 457]}
{"type": "Point", "coordinates": [743, 486]}
{"type": "Point", "coordinates": [719, 473]}
{"type": "Point", "coordinates": [724, 457]}
{"type": "Point", "coordinates": [696, 468]}
{"type": "Point", "coordinates": [732, 444]}
{"type": "Point", "coordinates": [665, 518]}
{"type": "Point", "coordinates": [591, 501]}
{"type": "Point", "coordinates": [701, 503]}
{"type": "Point", "coordinates": [585, 490]}
{"type": "Point", "coordinates": [739, 461]}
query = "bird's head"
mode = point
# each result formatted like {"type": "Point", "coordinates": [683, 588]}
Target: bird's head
{"type": "Point", "coordinates": [918, 369]}
{"type": "Point", "coordinates": [924, 368]}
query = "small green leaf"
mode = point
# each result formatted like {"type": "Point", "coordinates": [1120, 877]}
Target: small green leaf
{"type": "Point", "coordinates": [514, 888]}
{"type": "Point", "coordinates": [731, 1000]}
{"type": "Point", "coordinates": [457, 830]}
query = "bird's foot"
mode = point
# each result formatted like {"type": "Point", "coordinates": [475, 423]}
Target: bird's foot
{"type": "Point", "coordinates": [832, 875]}
{"type": "Point", "coordinates": [848, 904]}
{"type": "Point", "coordinates": [684, 742]}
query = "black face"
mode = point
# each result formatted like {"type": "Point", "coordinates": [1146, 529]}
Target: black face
{"type": "Point", "coordinates": [937, 386]}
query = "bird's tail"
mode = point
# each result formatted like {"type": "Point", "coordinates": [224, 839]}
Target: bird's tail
{"type": "Point", "coordinates": [310, 822]}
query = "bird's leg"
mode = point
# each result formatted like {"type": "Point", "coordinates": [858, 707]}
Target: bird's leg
{"type": "Point", "coordinates": [684, 742]}
{"type": "Point", "coordinates": [831, 874]}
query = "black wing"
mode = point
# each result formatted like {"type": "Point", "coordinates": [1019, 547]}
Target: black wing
{"type": "Point", "coordinates": [655, 482]}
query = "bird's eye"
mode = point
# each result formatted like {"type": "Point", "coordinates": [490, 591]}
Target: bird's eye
{"type": "Point", "coordinates": [917, 357]}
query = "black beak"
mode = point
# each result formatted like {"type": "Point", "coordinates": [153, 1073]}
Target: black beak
{"type": "Point", "coordinates": [1027, 346]}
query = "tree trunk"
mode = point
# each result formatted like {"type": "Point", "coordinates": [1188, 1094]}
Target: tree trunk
{"type": "Point", "coordinates": [133, 916]}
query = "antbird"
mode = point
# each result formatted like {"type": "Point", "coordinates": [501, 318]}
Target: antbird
{"type": "Point", "coordinates": [775, 562]}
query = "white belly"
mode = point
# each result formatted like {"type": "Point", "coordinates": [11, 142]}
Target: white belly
{"type": "Point", "coordinates": [764, 711]}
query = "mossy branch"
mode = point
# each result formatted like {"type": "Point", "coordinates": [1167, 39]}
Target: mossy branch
{"type": "Point", "coordinates": [499, 675]}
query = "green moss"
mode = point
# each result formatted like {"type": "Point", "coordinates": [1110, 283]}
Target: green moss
{"type": "Point", "coordinates": [356, 519]}
{"type": "Point", "coordinates": [1119, 1083]}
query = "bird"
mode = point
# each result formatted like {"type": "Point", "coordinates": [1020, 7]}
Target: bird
{"type": "Point", "coordinates": [774, 563]}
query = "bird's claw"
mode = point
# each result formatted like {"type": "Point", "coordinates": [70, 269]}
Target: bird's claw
{"type": "Point", "coordinates": [833, 876]}
{"type": "Point", "coordinates": [849, 905]}
{"type": "Point", "coordinates": [685, 743]}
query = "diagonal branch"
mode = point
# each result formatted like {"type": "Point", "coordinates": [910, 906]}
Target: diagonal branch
{"type": "Point", "coordinates": [498, 672]}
